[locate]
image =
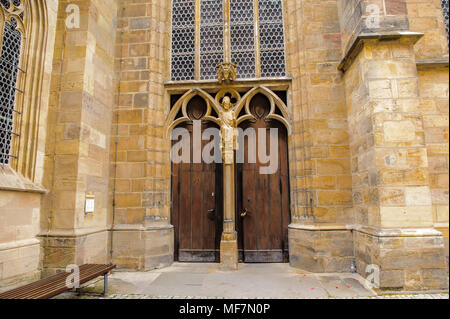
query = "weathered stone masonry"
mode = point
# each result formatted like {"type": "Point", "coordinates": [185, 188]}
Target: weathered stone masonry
{"type": "Point", "coordinates": [368, 153]}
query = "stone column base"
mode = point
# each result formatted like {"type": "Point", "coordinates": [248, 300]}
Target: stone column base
{"type": "Point", "coordinates": [144, 248]}
{"type": "Point", "coordinates": [62, 248]}
{"type": "Point", "coordinates": [320, 249]}
{"type": "Point", "coordinates": [407, 259]}
{"type": "Point", "coordinates": [229, 253]}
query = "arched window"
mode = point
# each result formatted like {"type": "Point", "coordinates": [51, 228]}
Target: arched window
{"type": "Point", "coordinates": [256, 38]}
{"type": "Point", "coordinates": [11, 29]}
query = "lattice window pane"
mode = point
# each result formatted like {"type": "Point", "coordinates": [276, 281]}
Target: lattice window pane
{"type": "Point", "coordinates": [9, 62]}
{"type": "Point", "coordinates": [272, 63]}
{"type": "Point", "coordinates": [243, 37]}
{"type": "Point", "coordinates": [445, 12]}
{"type": "Point", "coordinates": [271, 38]}
{"type": "Point", "coordinates": [183, 40]}
{"type": "Point", "coordinates": [7, 3]}
{"type": "Point", "coordinates": [208, 64]}
{"type": "Point", "coordinates": [211, 38]}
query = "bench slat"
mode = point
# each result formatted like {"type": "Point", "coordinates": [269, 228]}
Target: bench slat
{"type": "Point", "coordinates": [48, 287]}
{"type": "Point", "coordinates": [39, 283]}
{"type": "Point", "coordinates": [18, 292]}
{"type": "Point", "coordinates": [60, 287]}
{"type": "Point", "coordinates": [55, 285]}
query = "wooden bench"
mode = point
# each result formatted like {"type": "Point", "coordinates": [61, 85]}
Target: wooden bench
{"type": "Point", "coordinates": [55, 285]}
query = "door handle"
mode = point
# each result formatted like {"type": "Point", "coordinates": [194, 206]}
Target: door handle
{"type": "Point", "coordinates": [244, 213]}
{"type": "Point", "coordinates": [212, 214]}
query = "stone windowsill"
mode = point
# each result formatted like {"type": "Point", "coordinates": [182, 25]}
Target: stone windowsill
{"type": "Point", "coordinates": [10, 180]}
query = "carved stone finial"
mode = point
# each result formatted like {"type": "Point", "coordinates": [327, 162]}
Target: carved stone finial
{"type": "Point", "coordinates": [226, 72]}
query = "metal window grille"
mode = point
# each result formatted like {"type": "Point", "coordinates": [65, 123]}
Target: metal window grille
{"type": "Point", "coordinates": [183, 40]}
{"type": "Point", "coordinates": [243, 16]}
{"type": "Point", "coordinates": [445, 13]}
{"type": "Point", "coordinates": [271, 38]}
{"type": "Point", "coordinates": [9, 68]}
{"type": "Point", "coordinates": [243, 37]}
{"type": "Point", "coordinates": [211, 38]}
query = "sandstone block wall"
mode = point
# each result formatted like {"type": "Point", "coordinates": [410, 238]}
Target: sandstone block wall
{"type": "Point", "coordinates": [79, 125]}
{"type": "Point", "coordinates": [140, 157]}
{"type": "Point", "coordinates": [21, 181]}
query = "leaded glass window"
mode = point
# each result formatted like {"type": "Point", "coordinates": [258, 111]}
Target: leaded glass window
{"type": "Point", "coordinates": [11, 43]}
{"type": "Point", "coordinates": [271, 37]}
{"type": "Point", "coordinates": [445, 12]}
{"type": "Point", "coordinates": [256, 38]}
{"type": "Point", "coordinates": [242, 18]}
{"type": "Point", "coordinates": [183, 40]}
{"type": "Point", "coordinates": [211, 38]}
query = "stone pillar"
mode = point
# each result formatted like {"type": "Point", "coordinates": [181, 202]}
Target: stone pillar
{"type": "Point", "coordinates": [319, 156]}
{"type": "Point", "coordinates": [228, 244]}
{"type": "Point", "coordinates": [143, 238]}
{"type": "Point", "coordinates": [79, 126]}
{"type": "Point", "coordinates": [391, 193]}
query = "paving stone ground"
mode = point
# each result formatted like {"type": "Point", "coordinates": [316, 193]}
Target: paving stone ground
{"type": "Point", "coordinates": [251, 281]}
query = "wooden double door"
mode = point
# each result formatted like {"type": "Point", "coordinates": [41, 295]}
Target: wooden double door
{"type": "Point", "coordinates": [262, 205]}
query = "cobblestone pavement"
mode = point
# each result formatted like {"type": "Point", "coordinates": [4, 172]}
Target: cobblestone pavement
{"type": "Point", "coordinates": [250, 281]}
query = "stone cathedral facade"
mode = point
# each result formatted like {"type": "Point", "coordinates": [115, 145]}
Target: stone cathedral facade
{"type": "Point", "coordinates": [92, 91]}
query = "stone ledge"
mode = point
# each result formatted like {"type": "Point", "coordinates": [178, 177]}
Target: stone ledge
{"type": "Point", "coordinates": [10, 180]}
{"type": "Point", "coordinates": [325, 227]}
{"type": "Point", "coordinates": [379, 232]}
{"type": "Point", "coordinates": [407, 232]}
{"type": "Point", "coordinates": [432, 64]}
{"type": "Point", "coordinates": [124, 227]}
{"type": "Point", "coordinates": [358, 44]}
{"type": "Point", "coordinates": [19, 244]}
{"type": "Point", "coordinates": [72, 233]}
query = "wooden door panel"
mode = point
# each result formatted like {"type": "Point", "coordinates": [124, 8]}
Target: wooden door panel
{"type": "Point", "coordinates": [194, 194]}
{"type": "Point", "coordinates": [263, 232]}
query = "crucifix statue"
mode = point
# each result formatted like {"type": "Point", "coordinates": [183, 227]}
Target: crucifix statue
{"type": "Point", "coordinates": [228, 131]}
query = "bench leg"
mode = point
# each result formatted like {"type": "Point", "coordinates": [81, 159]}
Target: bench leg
{"type": "Point", "coordinates": [78, 291]}
{"type": "Point", "coordinates": [105, 284]}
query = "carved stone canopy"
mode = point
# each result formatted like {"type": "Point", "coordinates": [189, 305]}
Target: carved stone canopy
{"type": "Point", "coordinates": [226, 72]}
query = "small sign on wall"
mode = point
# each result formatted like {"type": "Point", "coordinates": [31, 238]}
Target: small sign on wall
{"type": "Point", "coordinates": [89, 207]}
